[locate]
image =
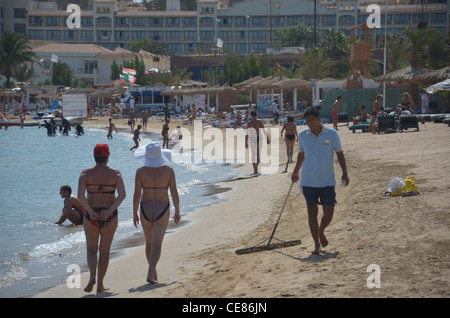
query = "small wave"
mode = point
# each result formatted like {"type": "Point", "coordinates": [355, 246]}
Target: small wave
{"type": "Point", "coordinates": [13, 273]}
{"type": "Point", "coordinates": [53, 248]}
{"type": "Point", "coordinates": [184, 188]}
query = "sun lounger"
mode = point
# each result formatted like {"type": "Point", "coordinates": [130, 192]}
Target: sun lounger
{"type": "Point", "coordinates": [385, 122]}
{"type": "Point", "coordinates": [408, 121]}
{"type": "Point", "coordinates": [343, 118]}
{"type": "Point", "coordinates": [363, 126]}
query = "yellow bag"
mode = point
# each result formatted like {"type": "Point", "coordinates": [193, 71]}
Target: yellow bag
{"type": "Point", "coordinates": [409, 186]}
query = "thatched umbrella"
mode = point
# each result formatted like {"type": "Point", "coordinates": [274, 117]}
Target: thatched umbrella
{"type": "Point", "coordinates": [403, 76]}
{"type": "Point", "coordinates": [246, 84]}
{"type": "Point", "coordinates": [435, 75]}
{"type": "Point", "coordinates": [407, 76]}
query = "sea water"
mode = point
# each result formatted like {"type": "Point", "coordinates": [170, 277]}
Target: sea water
{"type": "Point", "coordinates": [34, 252]}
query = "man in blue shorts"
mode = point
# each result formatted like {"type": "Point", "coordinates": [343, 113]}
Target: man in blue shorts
{"type": "Point", "coordinates": [315, 157]}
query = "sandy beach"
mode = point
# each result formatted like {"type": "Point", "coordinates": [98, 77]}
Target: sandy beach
{"type": "Point", "coordinates": [406, 237]}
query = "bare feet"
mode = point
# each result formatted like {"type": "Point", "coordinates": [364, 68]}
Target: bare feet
{"type": "Point", "coordinates": [89, 286]}
{"type": "Point", "coordinates": [323, 240]}
{"type": "Point", "coordinates": [154, 279]}
{"type": "Point", "coordinates": [316, 250]}
{"type": "Point", "coordinates": [101, 288]}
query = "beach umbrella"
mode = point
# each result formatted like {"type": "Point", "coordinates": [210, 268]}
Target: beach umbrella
{"type": "Point", "coordinates": [441, 86]}
{"type": "Point", "coordinates": [403, 76]}
{"type": "Point", "coordinates": [436, 75]}
{"type": "Point", "coordinates": [246, 84]}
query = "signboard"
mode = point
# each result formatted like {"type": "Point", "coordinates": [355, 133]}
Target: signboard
{"type": "Point", "coordinates": [199, 101]}
{"type": "Point", "coordinates": [74, 105]}
{"type": "Point", "coordinates": [264, 105]}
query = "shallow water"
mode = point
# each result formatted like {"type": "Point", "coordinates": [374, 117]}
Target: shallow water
{"type": "Point", "coordinates": [34, 252]}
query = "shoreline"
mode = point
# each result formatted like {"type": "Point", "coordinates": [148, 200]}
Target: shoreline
{"type": "Point", "coordinates": [407, 237]}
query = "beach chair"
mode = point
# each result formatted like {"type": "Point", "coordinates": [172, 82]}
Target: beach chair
{"type": "Point", "coordinates": [408, 121]}
{"type": "Point", "coordinates": [343, 118]}
{"type": "Point", "coordinates": [385, 122]}
{"type": "Point", "coordinates": [363, 126]}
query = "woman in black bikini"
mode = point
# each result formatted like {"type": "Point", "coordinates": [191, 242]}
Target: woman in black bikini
{"type": "Point", "coordinates": [151, 197]}
{"type": "Point", "coordinates": [100, 212]}
{"type": "Point", "coordinates": [291, 136]}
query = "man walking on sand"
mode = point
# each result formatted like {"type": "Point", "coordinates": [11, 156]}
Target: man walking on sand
{"type": "Point", "coordinates": [315, 157]}
{"type": "Point", "coordinates": [255, 128]}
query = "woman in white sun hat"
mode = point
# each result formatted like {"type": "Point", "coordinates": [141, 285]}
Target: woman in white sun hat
{"type": "Point", "coordinates": [151, 196]}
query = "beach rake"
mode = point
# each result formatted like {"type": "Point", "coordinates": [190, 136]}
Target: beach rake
{"type": "Point", "coordinates": [281, 244]}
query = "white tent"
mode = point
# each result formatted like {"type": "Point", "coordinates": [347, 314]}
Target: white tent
{"type": "Point", "coordinates": [326, 83]}
{"type": "Point", "coordinates": [441, 86]}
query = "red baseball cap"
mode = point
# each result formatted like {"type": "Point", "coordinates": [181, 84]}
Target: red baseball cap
{"type": "Point", "coordinates": [101, 150]}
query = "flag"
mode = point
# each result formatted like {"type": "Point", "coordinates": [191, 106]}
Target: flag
{"type": "Point", "coordinates": [129, 75]}
{"type": "Point", "coordinates": [121, 79]}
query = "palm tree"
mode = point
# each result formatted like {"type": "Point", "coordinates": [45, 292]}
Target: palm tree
{"type": "Point", "coordinates": [427, 47]}
{"type": "Point", "coordinates": [23, 73]}
{"type": "Point", "coordinates": [14, 50]}
{"type": "Point", "coordinates": [397, 53]}
{"type": "Point", "coordinates": [316, 64]}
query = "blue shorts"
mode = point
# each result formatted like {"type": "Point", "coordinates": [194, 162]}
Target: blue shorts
{"type": "Point", "coordinates": [325, 196]}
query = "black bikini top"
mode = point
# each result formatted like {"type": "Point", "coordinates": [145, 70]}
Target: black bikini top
{"type": "Point", "coordinates": [101, 187]}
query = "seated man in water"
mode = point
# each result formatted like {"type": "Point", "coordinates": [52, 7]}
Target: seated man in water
{"type": "Point", "coordinates": [72, 210]}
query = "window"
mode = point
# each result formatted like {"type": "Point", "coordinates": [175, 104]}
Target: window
{"type": "Point", "coordinates": [172, 22]}
{"type": "Point", "coordinates": [138, 35]}
{"type": "Point", "coordinates": [36, 20]}
{"type": "Point", "coordinates": [174, 47]}
{"type": "Point", "coordinates": [330, 20]}
{"type": "Point", "coordinates": [226, 21]}
{"type": "Point", "coordinates": [309, 20]}
{"type": "Point", "coordinates": [206, 35]}
{"type": "Point", "coordinates": [19, 13]}
{"type": "Point", "coordinates": [155, 35]}
{"type": "Point", "coordinates": [293, 20]}
{"type": "Point", "coordinates": [123, 21]}
{"type": "Point", "coordinates": [87, 21]}
{"type": "Point", "coordinates": [90, 66]}
{"type": "Point", "coordinates": [156, 22]}
{"type": "Point", "coordinates": [225, 35]}
{"type": "Point", "coordinates": [172, 35]}
{"type": "Point", "coordinates": [346, 20]}
{"type": "Point", "coordinates": [402, 18]}
{"type": "Point", "coordinates": [139, 21]}
{"type": "Point", "coordinates": [70, 35]}
{"type": "Point", "coordinates": [53, 35]}
{"type": "Point", "coordinates": [190, 22]}
{"type": "Point", "coordinates": [87, 35]}
{"type": "Point", "coordinates": [190, 47]}
{"type": "Point", "coordinates": [259, 35]}
{"type": "Point", "coordinates": [36, 35]}
{"type": "Point", "coordinates": [53, 21]}
{"type": "Point", "coordinates": [259, 21]}
{"type": "Point", "coordinates": [206, 21]}
{"type": "Point", "coordinates": [241, 35]}
{"type": "Point", "coordinates": [417, 17]}
{"type": "Point", "coordinates": [104, 21]}
{"type": "Point", "coordinates": [389, 19]}
{"type": "Point", "coordinates": [103, 35]}
{"type": "Point", "coordinates": [277, 21]}
{"type": "Point", "coordinates": [122, 35]}
{"type": "Point", "coordinates": [190, 35]}
{"type": "Point", "coordinates": [241, 48]}
{"type": "Point", "coordinates": [438, 17]}
{"type": "Point", "coordinates": [242, 21]}
{"type": "Point", "coordinates": [259, 47]}
{"type": "Point", "coordinates": [362, 19]}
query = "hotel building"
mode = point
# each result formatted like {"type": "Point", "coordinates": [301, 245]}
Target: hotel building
{"type": "Point", "coordinates": [242, 26]}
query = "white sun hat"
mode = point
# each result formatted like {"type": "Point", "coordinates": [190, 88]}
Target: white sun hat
{"type": "Point", "coordinates": [396, 184]}
{"type": "Point", "coordinates": [152, 155]}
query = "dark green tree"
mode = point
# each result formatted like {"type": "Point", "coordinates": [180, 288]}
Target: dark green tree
{"type": "Point", "coordinates": [14, 51]}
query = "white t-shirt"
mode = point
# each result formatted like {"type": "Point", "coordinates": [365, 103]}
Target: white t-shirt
{"type": "Point", "coordinates": [425, 103]}
{"type": "Point", "coordinates": [132, 103]}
